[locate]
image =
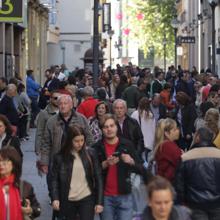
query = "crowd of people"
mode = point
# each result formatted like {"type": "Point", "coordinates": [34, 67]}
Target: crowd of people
{"type": "Point", "coordinates": [99, 148]}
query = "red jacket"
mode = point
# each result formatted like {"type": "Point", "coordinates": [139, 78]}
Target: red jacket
{"type": "Point", "coordinates": [87, 107]}
{"type": "Point", "coordinates": [167, 158]}
{"type": "Point", "coordinates": [165, 95]}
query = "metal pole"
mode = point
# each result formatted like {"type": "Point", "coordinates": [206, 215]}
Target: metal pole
{"type": "Point", "coordinates": [175, 33]}
{"type": "Point", "coordinates": [165, 62]}
{"type": "Point", "coordinates": [164, 50]}
{"type": "Point", "coordinates": [110, 52]}
{"type": "Point", "coordinates": [213, 39]}
{"type": "Point", "coordinates": [96, 44]}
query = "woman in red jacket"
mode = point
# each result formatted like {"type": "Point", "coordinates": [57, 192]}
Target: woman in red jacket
{"type": "Point", "coordinates": [167, 153]}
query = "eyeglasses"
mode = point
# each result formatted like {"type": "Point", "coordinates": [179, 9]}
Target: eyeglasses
{"type": "Point", "coordinates": [55, 98]}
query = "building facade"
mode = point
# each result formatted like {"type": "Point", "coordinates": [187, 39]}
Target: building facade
{"type": "Point", "coordinates": [24, 45]}
{"type": "Point", "coordinates": [196, 21]}
{"type": "Point", "coordinates": [74, 20]}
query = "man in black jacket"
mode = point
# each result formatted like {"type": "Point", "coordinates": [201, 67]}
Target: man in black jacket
{"type": "Point", "coordinates": [118, 158]}
{"type": "Point", "coordinates": [128, 127]}
{"type": "Point", "coordinates": [198, 180]}
{"type": "Point", "coordinates": [7, 105]}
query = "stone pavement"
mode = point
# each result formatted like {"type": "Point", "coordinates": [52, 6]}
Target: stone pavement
{"type": "Point", "coordinates": [30, 174]}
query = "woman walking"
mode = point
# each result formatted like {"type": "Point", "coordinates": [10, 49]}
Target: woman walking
{"type": "Point", "coordinates": [76, 186]}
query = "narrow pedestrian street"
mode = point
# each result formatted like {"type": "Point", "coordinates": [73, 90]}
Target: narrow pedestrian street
{"type": "Point", "coordinates": [30, 174]}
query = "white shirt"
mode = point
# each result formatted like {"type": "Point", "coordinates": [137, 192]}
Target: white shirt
{"type": "Point", "coordinates": [2, 139]}
{"type": "Point", "coordinates": [148, 126]}
{"type": "Point", "coordinates": [61, 76]}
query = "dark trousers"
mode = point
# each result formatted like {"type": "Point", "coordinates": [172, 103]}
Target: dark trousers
{"type": "Point", "coordinates": [210, 214]}
{"type": "Point", "coordinates": [34, 110]}
{"type": "Point", "coordinates": [83, 208]}
{"type": "Point", "coordinates": [22, 126]}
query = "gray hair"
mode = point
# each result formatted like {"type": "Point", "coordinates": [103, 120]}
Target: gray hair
{"type": "Point", "coordinates": [88, 91]}
{"type": "Point", "coordinates": [205, 135]}
{"type": "Point", "coordinates": [120, 101]}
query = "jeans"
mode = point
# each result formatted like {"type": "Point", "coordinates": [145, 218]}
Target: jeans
{"type": "Point", "coordinates": [117, 208]}
{"type": "Point", "coordinates": [211, 214]}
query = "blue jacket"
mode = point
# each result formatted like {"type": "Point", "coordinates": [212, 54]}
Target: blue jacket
{"type": "Point", "coordinates": [32, 87]}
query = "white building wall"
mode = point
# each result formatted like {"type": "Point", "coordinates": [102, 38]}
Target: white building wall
{"type": "Point", "coordinates": [74, 21]}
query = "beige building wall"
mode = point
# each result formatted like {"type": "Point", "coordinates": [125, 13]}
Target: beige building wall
{"type": "Point", "coordinates": [37, 39]}
{"type": "Point", "coordinates": [198, 54]}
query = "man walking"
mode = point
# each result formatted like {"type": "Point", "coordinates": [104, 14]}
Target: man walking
{"type": "Point", "coordinates": [118, 158]}
{"type": "Point", "coordinates": [128, 127]}
{"type": "Point", "coordinates": [33, 89]}
{"type": "Point", "coordinates": [197, 180]}
{"type": "Point", "coordinates": [50, 110]}
{"type": "Point", "coordinates": [56, 127]}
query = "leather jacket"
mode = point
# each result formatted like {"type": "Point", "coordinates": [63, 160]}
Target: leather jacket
{"type": "Point", "coordinates": [124, 170]}
{"type": "Point", "coordinates": [61, 174]}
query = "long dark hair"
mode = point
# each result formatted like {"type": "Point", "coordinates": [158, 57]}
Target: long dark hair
{"type": "Point", "coordinates": [144, 107]}
{"type": "Point", "coordinates": [72, 132]}
{"type": "Point", "coordinates": [10, 153]}
{"type": "Point", "coordinates": [5, 121]}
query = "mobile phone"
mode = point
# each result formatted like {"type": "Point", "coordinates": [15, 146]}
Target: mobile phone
{"type": "Point", "coordinates": [116, 154]}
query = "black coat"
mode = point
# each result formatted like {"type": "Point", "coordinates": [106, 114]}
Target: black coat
{"type": "Point", "coordinates": [132, 132]}
{"type": "Point", "coordinates": [27, 192]}
{"type": "Point", "coordinates": [124, 170]}
{"type": "Point", "coordinates": [13, 142]}
{"type": "Point", "coordinates": [156, 87]}
{"type": "Point", "coordinates": [8, 109]}
{"type": "Point", "coordinates": [197, 180]}
{"type": "Point", "coordinates": [61, 173]}
{"type": "Point", "coordinates": [189, 116]}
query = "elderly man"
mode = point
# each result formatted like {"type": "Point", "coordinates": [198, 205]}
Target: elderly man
{"type": "Point", "coordinates": [127, 126]}
{"type": "Point", "coordinates": [159, 110]}
{"type": "Point", "coordinates": [56, 127]}
{"type": "Point", "coordinates": [7, 105]}
{"type": "Point", "coordinates": [87, 107]}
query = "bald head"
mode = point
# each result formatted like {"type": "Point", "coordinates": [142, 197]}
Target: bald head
{"type": "Point", "coordinates": [65, 104]}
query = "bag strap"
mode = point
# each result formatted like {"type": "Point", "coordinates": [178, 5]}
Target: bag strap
{"type": "Point", "coordinates": [21, 187]}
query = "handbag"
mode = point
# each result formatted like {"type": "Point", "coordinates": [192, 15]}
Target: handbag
{"type": "Point", "coordinates": [21, 187]}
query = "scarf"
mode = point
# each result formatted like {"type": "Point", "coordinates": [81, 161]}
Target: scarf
{"type": "Point", "coordinates": [14, 199]}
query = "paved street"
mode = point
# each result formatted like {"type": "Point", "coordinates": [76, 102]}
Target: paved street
{"type": "Point", "coordinates": [31, 175]}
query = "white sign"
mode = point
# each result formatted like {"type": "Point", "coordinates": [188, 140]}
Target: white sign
{"type": "Point", "coordinates": [0, 3]}
{"type": "Point", "coordinates": [179, 51]}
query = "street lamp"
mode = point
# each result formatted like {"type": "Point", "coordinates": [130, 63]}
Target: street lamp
{"type": "Point", "coordinates": [96, 44]}
{"type": "Point", "coordinates": [213, 4]}
{"type": "Point", "coordinates": [175, 23]}
{"type": "Point", "coordinates": [110, 33]}
{"type": "Point", "coordinates": [164, 50]}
